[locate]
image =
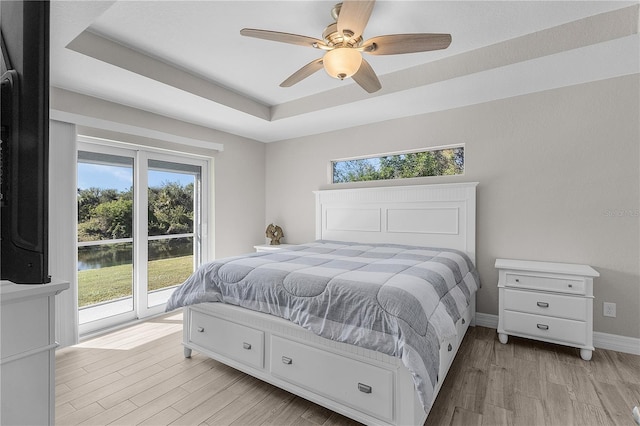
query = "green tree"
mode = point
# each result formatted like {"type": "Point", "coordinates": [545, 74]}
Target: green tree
{"type": "Point", "coordinates": [107, 213]}
{"type": "Point", "coordinates": [355, 171]}
{"type": "Point", "coordinates": [102, 214]}
{"type": "Point", "coordinates": [115, 218]}
{"type": "Point", "coordinates": [171, 209]}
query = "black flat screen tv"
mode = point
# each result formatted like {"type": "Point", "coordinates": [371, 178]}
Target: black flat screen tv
{"type": "Point", "coordinates": [24, 26]}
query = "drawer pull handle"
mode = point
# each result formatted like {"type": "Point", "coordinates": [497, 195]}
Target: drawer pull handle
{"type": "Point", "coordinates": [287, 360]}
{"type": "Point", "coordinates": [364, 388]}
{"type": "Point", "coordinates": [570, 285]}
{"type": "Point", "coordinates": [463, 321]}
{"type": "Point", "coordinates": [200, 329]}
{"type": "Point", "coordinates": [543, 304]}
{"type": "Point", "coordinates": [449, 348]}
{"type": "Point", "coordinates": [543, 326]}
{"type": "Point", "coordinates": [246, 345]}
{"type": "Point", "coordinates": [517, 280]}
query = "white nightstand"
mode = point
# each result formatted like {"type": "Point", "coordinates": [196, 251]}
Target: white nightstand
{"type": "Point", "coordinates": [552, 302]}
{"type": "Point", "coordinates": [268, 247]}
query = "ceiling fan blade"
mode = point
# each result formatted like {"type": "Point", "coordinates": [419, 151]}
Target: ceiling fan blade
{"type": "Point", "coordinates": [282, 37]}
{"type": "Point", "coordinates": [367, 78]}
{"type": "Point", "coordinates": [303, 73]}
{"type": "Point", "coordinates": [354, 15]}
{"type": "Point", "coordinates": [406, 43]}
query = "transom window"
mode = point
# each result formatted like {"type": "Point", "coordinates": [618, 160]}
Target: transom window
{"type": "Point", "coordinates": [443, 161]}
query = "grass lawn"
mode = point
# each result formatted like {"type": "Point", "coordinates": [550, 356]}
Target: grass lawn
{"type": "Point", "coordinates": [114, 282]}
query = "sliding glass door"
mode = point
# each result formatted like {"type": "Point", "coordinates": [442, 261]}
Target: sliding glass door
{"type": "Point", "coordinates": [141, 217]}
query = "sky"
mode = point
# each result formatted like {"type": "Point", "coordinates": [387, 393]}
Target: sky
{"type": "Point", "coordinates": [121, 178]}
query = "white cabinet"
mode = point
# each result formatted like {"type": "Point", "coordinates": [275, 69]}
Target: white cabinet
{"type": "Point", "coordinates": [552, 302]}
{"type": "Point", "coordinates": [27, 353]}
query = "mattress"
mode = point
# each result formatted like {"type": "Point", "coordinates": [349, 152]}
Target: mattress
{"type": "Point", "coordinates": [399, 300]}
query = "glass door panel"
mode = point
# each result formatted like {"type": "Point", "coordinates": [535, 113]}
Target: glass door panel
{"type": "Point", "coordinates": [105, 236]}
{"type": "Point", "coordinates": [173, 227]}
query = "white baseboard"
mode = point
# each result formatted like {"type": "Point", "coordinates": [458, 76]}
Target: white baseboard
{"type": "Point", "coordinates": [487, 320]}
{"type": "Point", "coordinates": [629, 345]}
{"type": "Point", "coordinates": [614, 342]}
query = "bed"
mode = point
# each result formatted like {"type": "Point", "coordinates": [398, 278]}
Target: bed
{"type": "Point", "coordinates": [366, 320]}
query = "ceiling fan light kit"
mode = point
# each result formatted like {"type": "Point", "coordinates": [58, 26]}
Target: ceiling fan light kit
{"type": "Point", "coordinates": [344, 45]}
{"type": "Point", "coordinates": [342, 62]}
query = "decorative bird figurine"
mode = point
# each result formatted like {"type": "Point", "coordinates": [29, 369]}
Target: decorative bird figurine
{"type": "Point", "coordinates": [274, 232]}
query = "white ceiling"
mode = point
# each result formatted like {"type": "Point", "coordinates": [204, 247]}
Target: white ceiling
{"type": "Point", "coordinates": [186, 59]}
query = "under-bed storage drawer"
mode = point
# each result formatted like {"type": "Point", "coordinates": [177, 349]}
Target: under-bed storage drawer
{"type": "Point", "coordinates": [360, 385]}
{"type": "Point", "coordinates": [227, 338]}
{"type": "Point", "coordinates": [449, 347]}
{"type": "Point", "coordinates": [464, 322]}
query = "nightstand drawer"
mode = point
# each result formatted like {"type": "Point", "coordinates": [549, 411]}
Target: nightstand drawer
{"type": "Point", "coordinates": [539, 282]}
{"type": "Point", "coordinates": [554, 305]}
{"type": "Point", "coordinates": [563, 330]}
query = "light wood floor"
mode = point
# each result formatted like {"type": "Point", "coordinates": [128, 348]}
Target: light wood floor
{"type": "Point", "coordinates": [139, 375]}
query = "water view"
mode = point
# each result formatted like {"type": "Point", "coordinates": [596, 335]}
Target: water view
{"type": "Point", "coordinates": [105, 255]}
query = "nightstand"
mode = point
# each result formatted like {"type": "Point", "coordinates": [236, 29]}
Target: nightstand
{"type": "Point", "coordinates": [551, 302]}
{"type": "Point", "coordinates": [268, 247]}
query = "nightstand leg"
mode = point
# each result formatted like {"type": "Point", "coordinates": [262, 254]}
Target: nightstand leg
{"type": "Point", "coordinates": [504, 338]}
{"type": "Point", "coordinates": [187, 352]}
{"type": "Point", "coordinates": [586, 354]}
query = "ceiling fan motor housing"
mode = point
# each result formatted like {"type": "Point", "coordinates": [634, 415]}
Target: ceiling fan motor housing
{"type": "Point", "coordinates": [335, 38]}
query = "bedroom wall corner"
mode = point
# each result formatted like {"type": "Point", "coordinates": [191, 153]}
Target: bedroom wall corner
{"type": "Point", "coordinates": [239, 179]}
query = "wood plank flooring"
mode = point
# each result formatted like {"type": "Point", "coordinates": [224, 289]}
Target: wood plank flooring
{"type": "Point", "coordinates": [139, 376]}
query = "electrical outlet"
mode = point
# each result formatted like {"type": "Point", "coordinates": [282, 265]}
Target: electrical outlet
{"type": "Point", "coordinates": [609, 309]}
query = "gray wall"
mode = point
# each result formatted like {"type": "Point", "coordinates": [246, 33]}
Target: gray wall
{"type": "Point", "coordinates": [239, 197]}
{"type": "Point", "coordinates": [558, 173]}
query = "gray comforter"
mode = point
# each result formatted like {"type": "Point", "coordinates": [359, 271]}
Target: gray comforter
{"type": "Point", "coordinates": [399, 300]}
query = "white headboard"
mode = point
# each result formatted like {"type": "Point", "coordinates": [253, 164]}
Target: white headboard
{"type": "Point", "coordinates": [426, 215]}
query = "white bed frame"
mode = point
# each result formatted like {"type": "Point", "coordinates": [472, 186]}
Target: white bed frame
{"type": "Point", "coordinates": [364, 385]}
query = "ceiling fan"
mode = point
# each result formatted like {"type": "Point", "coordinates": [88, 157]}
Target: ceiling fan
{"type": "Point", "coordinates": [343, 45]}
